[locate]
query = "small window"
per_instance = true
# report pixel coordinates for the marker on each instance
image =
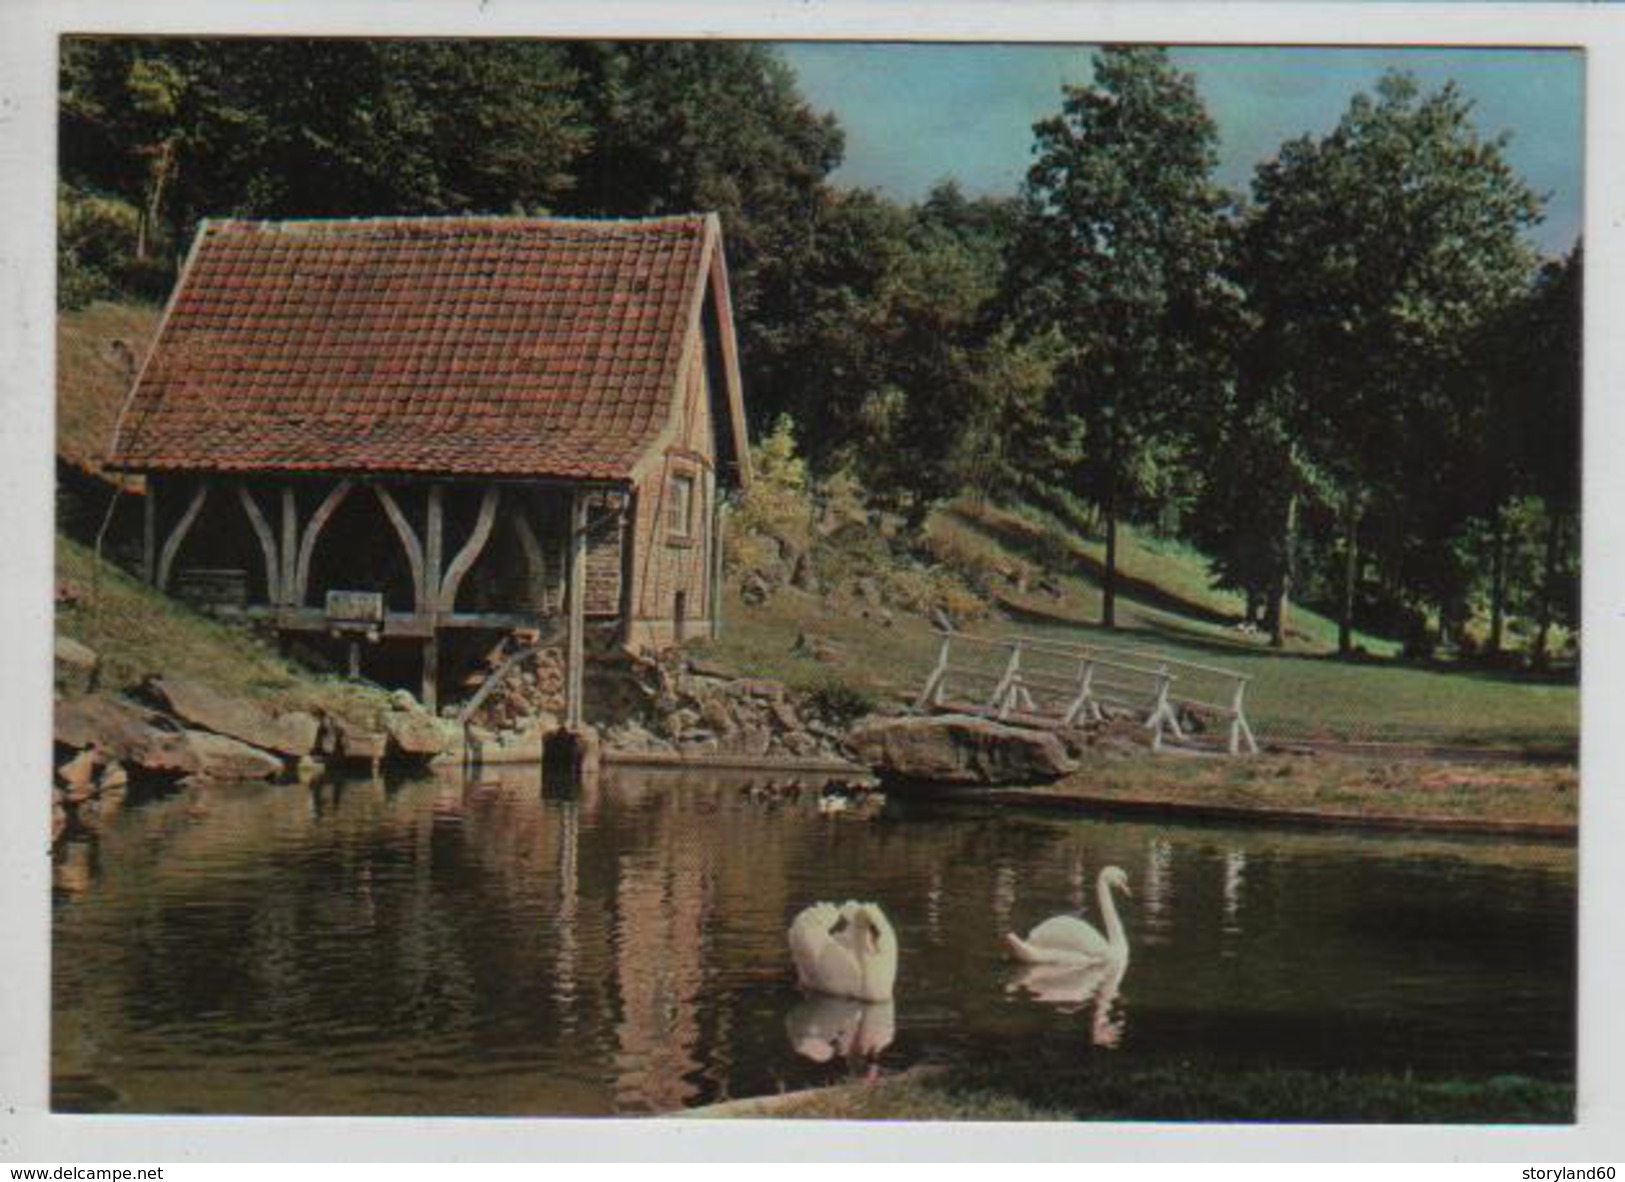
(680, 507)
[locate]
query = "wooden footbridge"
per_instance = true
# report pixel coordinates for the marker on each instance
(1055, 684)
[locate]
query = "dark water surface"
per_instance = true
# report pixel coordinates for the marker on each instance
(442, 947)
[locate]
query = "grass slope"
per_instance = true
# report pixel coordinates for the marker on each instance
(137, 631)
(1304, 692)
(93, 374)
(1165, 586)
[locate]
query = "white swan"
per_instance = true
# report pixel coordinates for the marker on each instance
(1066, 939)
(850, 951)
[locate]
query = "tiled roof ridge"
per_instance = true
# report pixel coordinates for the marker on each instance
(300, 226)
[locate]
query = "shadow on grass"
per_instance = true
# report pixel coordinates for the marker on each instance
(1152, 594)
(1189, 638)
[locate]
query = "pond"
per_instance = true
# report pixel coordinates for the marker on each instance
(450, 946)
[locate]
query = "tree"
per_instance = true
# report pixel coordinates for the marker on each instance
(1549, 424)
(1119, 259)
(720, 126)
(1374, 252)
(947, 373)
(183, 129)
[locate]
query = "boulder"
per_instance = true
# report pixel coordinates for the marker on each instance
(202, 707)
(785, 715)
(801, 744)
(139, 739)
(755, 590)
(958, 749)
(755, 742)
(631, 735)
(701, 667)
(352, 741)
(79, 775)
(759, 687)
(225, 758)
(679, 722)
(414, 735)
(714, 714)
(76, 666)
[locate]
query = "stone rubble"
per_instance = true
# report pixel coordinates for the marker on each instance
(687, 709)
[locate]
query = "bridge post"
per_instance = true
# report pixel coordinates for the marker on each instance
(1238, 722)
(1083, 702)
(932, 693)
(1004, 696)
(1163, 712)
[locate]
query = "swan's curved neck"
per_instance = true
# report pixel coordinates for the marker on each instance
(1115, 936)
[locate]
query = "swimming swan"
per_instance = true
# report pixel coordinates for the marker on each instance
(850, 951)
(1066, 939)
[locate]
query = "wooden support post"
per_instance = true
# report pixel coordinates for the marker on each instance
(409, 543)
(931, 695)
(1083, 703)
(290, 545)
(313, 535)
(1004, 693)
(434, 543)
(1239, 729)
(577, 596)
(431, 674)
(262, 531)
(470, 553)
(149, 532)
(172, 544)
(1162, 712)
(719, 540)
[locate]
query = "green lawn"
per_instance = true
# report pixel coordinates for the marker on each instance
(1105, 1088)
(1293, 695)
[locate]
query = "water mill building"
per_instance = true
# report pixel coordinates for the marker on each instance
(405, 438)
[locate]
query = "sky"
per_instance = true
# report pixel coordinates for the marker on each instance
(916, 114)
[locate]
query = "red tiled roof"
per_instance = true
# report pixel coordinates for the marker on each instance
(497, 346)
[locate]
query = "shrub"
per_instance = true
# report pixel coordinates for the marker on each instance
(95, 239)
(837, 700)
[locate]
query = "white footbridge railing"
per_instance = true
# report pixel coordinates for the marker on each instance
(1059, 684)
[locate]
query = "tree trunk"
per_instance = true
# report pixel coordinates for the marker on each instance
(1351, 566)
(1283, 586)
(1548, 595)
(1498, 581)
(150, 208)
(1108, 583)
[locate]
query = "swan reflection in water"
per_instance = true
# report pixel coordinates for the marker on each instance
(824, 1029)
(1071, 988)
